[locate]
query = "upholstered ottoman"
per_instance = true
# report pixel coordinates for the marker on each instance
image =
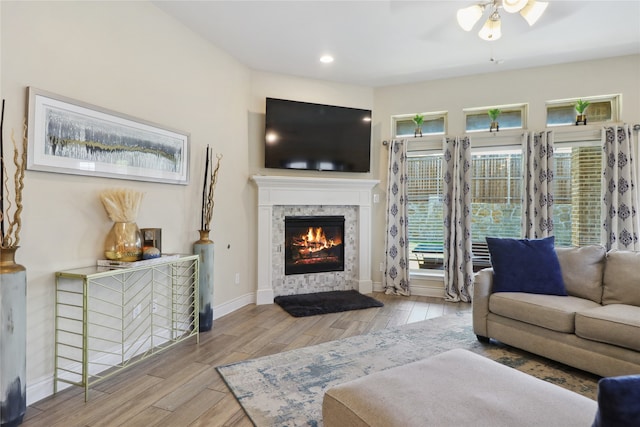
(455, 388)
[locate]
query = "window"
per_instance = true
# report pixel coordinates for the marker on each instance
(511, 117)
(577, 194)
(434, 124)
(496, 188)
(601, 109)
(496, 199)
(426, 211)
(496, 203)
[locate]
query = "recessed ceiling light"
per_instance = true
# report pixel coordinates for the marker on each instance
(326, 59)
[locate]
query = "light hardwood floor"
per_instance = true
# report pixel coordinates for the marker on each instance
(180, 387)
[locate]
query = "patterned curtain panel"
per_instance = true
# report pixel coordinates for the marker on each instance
(538, 167)
(396, 271)
(458, 267)
(620, 197)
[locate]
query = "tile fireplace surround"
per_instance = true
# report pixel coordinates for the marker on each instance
(304, 192)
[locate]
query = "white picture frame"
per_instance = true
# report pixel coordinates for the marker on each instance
(73, 137)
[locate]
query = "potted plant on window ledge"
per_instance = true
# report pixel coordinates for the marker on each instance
(418, 120)
(580, 107)
(494, 113)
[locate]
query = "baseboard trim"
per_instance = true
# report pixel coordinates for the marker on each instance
(420, 287)
(427, 291)
(41, 389)
(233, 305)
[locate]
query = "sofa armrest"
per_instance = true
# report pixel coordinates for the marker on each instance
(482, 288)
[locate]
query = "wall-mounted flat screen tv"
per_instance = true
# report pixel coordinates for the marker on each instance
(302, 135)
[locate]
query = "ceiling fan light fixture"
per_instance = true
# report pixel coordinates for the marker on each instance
(469, 16)
(491, 30)
(533, 11)
(513, 6)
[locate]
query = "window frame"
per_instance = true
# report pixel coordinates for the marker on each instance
(522, 108)
(614, 99)
(434, 115)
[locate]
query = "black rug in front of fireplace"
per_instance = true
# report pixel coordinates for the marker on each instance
(325, 302)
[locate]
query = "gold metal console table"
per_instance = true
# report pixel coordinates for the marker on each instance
(109, 319)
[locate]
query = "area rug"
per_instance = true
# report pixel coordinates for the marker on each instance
(286, 389)
(325, 302)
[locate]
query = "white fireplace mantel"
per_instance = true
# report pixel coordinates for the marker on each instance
(287, 191)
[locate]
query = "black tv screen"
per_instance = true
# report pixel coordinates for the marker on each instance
(302, 135)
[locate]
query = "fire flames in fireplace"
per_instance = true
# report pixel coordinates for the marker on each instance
(314, 244)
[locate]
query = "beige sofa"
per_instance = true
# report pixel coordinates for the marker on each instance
(595, 328)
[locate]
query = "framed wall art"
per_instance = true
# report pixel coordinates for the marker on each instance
(152, 237)
(69, 136)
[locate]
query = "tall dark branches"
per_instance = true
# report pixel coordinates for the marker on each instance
(210, 181)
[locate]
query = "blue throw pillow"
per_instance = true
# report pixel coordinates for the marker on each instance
(618, 402)
(526, 265)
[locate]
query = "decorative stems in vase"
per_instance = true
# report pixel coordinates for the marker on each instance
(204, 247)
(121, 204)
(210, 181)
(124, 240)
(10, 224)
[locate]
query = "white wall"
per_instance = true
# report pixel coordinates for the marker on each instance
(132, 58)
(620, 75)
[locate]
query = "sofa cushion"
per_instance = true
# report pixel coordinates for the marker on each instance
(582, 269)
(621, 279)
(618, 402)
(548, 311)
(525, 265)
(615, 324)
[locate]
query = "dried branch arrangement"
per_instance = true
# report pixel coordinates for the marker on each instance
(210, 181)
(10, 236)
(121, 204)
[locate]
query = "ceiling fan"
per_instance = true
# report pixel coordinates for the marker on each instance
(530, 10)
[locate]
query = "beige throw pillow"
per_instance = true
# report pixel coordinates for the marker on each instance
(622, 278)
(582, 269)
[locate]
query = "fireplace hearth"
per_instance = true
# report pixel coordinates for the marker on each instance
(314, 244)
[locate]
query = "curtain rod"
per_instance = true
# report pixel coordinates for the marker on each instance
(636, 127)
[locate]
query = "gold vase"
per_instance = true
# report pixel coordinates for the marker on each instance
(8, 260)
(123, 242)
(204, 237)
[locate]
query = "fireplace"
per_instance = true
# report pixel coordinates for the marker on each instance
(282, 196)
(313, 244)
